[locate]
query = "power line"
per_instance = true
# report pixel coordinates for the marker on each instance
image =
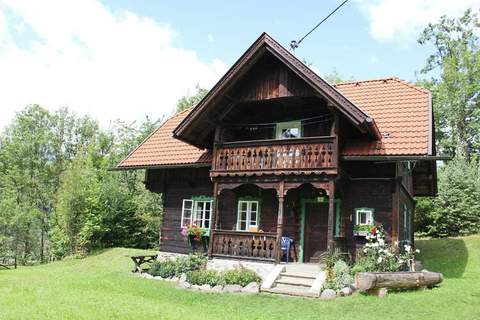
(294, 44)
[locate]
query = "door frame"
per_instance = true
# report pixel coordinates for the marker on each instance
(320, 199)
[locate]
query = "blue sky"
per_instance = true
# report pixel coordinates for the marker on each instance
(343, 43)
(127, 59)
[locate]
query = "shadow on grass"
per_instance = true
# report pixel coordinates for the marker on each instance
(447, 255)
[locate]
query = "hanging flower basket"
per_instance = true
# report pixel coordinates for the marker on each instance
(196, 237)
(364, 230)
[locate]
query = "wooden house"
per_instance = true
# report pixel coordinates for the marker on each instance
(274, 150)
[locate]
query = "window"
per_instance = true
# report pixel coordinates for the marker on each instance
(248, 214)
(289, 130)
(364, 216)
(197, 212)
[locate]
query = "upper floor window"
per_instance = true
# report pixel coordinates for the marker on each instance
(197, 212)
(289, 130)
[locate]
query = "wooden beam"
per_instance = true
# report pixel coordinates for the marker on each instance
(331, 216)
(280, 194)
(214, 218)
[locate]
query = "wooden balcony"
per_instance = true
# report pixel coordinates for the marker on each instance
(244, 245)
(275, 156)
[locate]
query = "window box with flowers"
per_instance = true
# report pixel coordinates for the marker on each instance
(364, 223)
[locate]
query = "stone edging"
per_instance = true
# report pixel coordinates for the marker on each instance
(182, 283)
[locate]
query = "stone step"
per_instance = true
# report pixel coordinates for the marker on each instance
(290, 290)
(295, 280)
(300, 276)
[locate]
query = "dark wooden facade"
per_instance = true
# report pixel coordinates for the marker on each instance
(304, 188)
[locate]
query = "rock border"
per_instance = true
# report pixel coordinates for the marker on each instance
(251, 288)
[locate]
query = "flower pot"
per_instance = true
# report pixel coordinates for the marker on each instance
(360, 233)
(192, 242)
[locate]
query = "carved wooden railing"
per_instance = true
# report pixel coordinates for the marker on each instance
(247, 245)
(275, 155)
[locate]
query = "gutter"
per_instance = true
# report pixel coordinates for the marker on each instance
(372, 128)
(167, 166)
(398, 158)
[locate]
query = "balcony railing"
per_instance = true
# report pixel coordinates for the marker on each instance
(275, 155)
(246, 245)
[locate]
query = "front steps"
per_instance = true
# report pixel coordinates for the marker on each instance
(297, 280)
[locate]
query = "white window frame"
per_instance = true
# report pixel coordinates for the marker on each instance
(369, 212)
(197, 213)
(287, 125)
(248, 221)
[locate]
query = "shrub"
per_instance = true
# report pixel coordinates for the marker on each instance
(329, 259)
(164, 269)
(177, 266)
(341, 276)
(201, 277)
(240, 276)
(188, 263)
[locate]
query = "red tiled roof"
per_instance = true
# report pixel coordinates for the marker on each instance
(400, 109)
(161, 149)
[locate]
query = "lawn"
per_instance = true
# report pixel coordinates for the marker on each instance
(102, 287)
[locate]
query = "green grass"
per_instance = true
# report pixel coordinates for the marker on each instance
(102, 287)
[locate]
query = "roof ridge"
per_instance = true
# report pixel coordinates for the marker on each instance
(404, 82)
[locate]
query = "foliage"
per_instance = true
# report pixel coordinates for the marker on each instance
(191, 262)
(341, 276)
(57, 196)
(378, 256)
(457, 208)
(188, 101)
(455, 92)
(176, 267)
(240, 276)
(329, 259)
(164, 269)
(363, 227)
(194, 230)
(201, 277)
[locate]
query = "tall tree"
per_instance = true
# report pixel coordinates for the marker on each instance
(456, 61)
(188, 101)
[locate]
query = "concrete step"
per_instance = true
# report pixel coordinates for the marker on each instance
(293, 275)
(303, 269)
(290, 290)
(295, 280)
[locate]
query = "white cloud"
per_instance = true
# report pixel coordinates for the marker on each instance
(98, 62)
(404, 20)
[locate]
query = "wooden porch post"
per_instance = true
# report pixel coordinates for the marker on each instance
(279, 221)
(331, 216)
(214, 219)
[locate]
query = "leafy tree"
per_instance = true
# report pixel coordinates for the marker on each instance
(188, 101)
(456, 91)
(457, 209)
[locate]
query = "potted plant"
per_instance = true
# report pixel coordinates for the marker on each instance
(196, 235)
(362, 230)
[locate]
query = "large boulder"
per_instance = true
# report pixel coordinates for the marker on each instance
(328, 294)
(252, 287)
(232, 288)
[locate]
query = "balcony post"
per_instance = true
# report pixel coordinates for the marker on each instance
(331, 216)
(213, 219)
(280, 194)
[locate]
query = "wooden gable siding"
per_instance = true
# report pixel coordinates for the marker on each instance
(272, 81)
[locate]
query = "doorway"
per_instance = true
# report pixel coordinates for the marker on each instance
(314, 229)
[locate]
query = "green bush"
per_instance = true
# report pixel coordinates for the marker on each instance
(177, 266)
(341, 276)
(189, 263)
(240, 276)
(164, 269)
(201, 277)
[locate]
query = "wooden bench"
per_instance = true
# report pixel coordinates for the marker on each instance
(140, 260)
(8, 262)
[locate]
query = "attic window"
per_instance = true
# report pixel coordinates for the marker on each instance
(289, 130)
